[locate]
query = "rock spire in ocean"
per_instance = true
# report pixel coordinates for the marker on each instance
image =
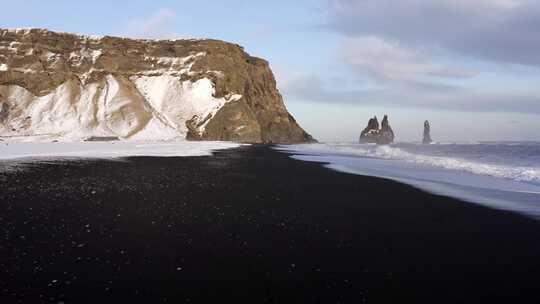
(373, 134)
(427, 133)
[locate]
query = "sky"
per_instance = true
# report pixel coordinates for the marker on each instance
(472, 68)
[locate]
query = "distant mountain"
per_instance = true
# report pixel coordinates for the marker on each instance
(67, 86)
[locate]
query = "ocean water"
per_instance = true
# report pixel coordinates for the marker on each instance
(501, 175)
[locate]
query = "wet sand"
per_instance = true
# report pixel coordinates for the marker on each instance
(251, 225)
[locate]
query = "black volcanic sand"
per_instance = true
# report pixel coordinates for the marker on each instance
(255, 226)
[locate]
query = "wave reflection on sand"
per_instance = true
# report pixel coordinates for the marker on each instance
(498, 175)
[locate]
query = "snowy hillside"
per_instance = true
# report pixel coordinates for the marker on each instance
(68, 87)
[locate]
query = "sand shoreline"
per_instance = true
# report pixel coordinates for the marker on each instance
(251, 224)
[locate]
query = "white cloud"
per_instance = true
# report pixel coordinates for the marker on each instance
(495, 30)
(388, 60)
(418, 52)
(312, 88)
(157, 26)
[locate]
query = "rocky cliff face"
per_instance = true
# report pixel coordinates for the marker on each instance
(372, 133)
(427, 133)
(74, 87)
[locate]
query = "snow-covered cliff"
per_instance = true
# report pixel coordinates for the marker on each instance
(73, 87)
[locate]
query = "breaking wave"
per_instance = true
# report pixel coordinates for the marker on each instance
(503, 176)
(529, 174)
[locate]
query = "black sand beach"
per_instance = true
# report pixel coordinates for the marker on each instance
(251, 225)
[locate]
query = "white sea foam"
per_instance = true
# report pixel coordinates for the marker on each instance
(523, 174)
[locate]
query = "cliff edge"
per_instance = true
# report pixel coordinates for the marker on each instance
(75, 87)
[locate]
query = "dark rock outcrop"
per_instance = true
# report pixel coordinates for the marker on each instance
(4, 108)
(373, 134)
(387, 134)
(66, 85)
(427, 133)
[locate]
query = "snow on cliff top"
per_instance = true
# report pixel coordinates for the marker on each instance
(99, 37)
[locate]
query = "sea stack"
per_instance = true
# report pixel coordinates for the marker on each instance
(427, 135)
(74, 87)
(372, 133)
